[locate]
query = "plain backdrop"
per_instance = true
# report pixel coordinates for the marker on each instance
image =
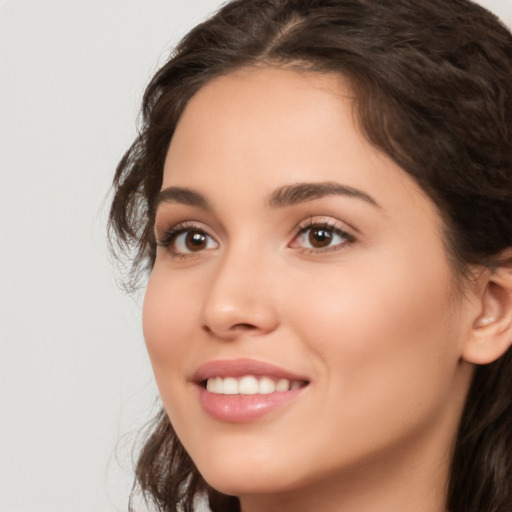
(76, 384)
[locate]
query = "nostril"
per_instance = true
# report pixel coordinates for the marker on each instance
(243, 327)
(240, 327)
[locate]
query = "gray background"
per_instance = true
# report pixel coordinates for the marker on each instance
(75, 380)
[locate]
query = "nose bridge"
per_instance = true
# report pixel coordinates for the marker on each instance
(239, 297)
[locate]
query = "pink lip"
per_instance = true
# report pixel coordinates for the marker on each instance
(243, 408)
(240, 367)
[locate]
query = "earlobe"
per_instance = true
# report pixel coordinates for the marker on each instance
(491, 332)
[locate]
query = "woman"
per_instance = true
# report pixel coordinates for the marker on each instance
(322, 190)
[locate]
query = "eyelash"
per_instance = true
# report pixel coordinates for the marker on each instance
(326, 225)
(170, 236)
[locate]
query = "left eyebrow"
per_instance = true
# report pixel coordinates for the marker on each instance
(182, 195)
(290, 195)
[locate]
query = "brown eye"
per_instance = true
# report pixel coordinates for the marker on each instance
(320, 237)
(191, 241)
(195, 241)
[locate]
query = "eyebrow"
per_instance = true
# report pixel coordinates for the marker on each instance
(287, 195)
(303, 192)
(182, 196)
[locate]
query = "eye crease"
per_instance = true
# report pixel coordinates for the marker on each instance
(321, 237)
(186, 239)
(315, 236)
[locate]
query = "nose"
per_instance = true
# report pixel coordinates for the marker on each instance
(240, 299)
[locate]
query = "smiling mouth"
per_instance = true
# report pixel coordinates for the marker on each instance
(250, 385)
(245, 390)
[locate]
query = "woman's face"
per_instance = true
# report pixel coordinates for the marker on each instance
(299, 265)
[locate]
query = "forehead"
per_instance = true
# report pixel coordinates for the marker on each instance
(245, 136)
(262, 128)
(243, 114)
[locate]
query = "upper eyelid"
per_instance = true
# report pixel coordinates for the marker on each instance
(178, 228)
(167, 218)
(307, 223)
(324, 220)
(166, 226)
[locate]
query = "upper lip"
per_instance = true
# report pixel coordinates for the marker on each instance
(240, 367)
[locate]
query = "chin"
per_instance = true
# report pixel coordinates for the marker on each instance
(243, 477)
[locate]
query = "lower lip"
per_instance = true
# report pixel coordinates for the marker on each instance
(243, 408)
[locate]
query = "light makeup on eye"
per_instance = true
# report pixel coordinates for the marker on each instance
(318, 235)
(314, 235)
(186, 239)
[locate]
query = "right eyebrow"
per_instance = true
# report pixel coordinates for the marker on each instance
(303, 192)
(182, 195)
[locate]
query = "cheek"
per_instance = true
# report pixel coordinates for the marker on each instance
(167, 317)
(385, 356)
(350, 304)
(384, 334)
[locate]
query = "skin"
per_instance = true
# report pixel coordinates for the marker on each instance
(373, 320)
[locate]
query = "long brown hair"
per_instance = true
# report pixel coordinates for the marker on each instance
(433, 86)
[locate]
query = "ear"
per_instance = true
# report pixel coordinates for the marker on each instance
(491, 332)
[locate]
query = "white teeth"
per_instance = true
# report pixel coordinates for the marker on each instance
(230, 386)
(249, 385)
(266, 386)
(210, 385)
(282, 385)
